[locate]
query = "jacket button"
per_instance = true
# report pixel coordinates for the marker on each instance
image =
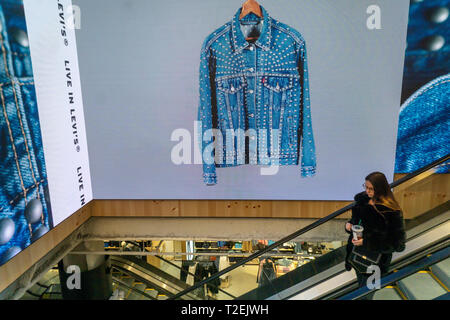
(434, 43)
(438, 15)
(20, 37)
(39, 232)
(33, 211)
(11, 252)
(7, 228)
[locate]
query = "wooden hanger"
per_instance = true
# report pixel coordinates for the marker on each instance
(251, 6)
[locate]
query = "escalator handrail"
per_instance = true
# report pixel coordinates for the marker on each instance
(306, 229)
(404, 272)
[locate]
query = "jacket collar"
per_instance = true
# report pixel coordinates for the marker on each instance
(264, 39)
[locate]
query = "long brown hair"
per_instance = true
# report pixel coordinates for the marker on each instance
(382, 192)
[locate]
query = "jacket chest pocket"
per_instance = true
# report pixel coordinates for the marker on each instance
(230, 100)
(276, 92)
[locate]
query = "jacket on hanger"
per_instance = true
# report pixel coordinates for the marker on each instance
(254, 97)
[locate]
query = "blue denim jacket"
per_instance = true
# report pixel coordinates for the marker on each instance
(254, 97)
(23, 177)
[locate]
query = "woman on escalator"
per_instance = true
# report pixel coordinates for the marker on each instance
(380, 215)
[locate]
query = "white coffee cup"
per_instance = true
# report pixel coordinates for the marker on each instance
(357, 232)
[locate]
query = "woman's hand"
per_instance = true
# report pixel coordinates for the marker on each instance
(348, 226)
(357, 242)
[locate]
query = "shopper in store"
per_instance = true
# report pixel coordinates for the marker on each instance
(381, 217)
(266, 271)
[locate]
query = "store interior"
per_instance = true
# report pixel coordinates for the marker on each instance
(193, 261)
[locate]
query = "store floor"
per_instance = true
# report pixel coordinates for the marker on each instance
(241, 280)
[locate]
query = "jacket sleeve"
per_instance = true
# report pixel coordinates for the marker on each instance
(390, 241)
(397, 232)
(307, 147)
(206, 136)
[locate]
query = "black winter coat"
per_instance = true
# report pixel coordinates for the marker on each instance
(384, 230)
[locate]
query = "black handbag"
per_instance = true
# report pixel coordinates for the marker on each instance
(361, 259)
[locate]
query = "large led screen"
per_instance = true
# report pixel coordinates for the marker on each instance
(44, 166)
(199, 100)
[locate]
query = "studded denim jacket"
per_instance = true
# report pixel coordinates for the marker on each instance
(254, 97)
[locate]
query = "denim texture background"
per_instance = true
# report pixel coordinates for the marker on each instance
(261, 86)
(424, 120)
(23, 175)
(424, 127)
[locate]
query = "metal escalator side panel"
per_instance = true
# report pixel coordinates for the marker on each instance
(387, 293)
(341, 280)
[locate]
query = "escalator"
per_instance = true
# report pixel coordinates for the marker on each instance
(424, 195)
(47, 288)
(426, 279)
(139, 280)
(142, 281)
(132, 279)
(422, 239)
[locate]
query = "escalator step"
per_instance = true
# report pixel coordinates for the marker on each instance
(141, 287)
(123, 289)
(152, 292)
(421, 286)
(28, 296)
(387, 294)
(128, 280)
(134, 295)
(442, 271)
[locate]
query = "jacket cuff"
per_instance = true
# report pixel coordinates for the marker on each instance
(210, 178)
(308, 171)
